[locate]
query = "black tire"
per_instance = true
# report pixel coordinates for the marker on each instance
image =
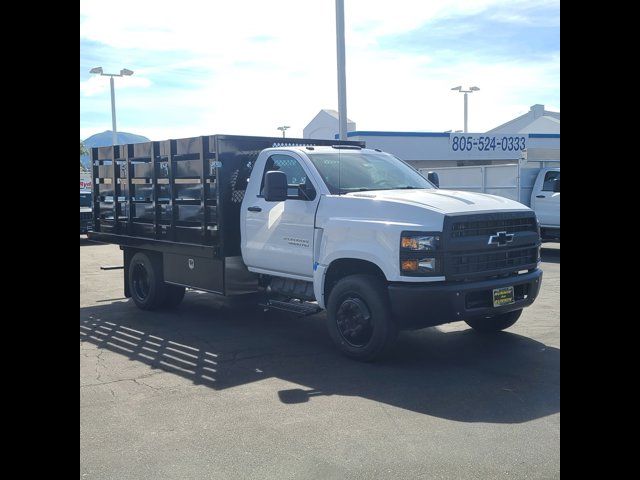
(173, 295)
(496, 323)
(359, 317)
(146, 284)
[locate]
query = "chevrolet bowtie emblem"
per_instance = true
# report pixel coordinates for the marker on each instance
(501, 238)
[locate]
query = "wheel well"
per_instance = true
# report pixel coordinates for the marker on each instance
(343, 267)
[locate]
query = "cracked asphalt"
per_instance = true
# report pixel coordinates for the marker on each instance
(210, 391)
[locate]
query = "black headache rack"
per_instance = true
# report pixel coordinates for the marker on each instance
(181, 197)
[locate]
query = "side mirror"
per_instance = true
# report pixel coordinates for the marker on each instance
(556, 186)
(275, 186)
(433, 178)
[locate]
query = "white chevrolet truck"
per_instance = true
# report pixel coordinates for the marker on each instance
(312, 225)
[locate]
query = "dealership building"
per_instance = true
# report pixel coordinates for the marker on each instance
(534, 136)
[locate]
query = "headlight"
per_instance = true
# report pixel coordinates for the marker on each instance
(418, 253)
(419, 242)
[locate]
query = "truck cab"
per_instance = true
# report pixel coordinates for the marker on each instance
(365, 235)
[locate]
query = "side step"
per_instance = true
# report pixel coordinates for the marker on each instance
(299, 308)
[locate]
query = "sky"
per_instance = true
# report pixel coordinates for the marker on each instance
(246, 67)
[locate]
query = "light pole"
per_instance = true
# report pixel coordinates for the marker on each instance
(459, 89)
(283, 129)
(342, 76)
(123, 72)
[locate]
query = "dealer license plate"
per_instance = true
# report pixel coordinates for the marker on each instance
(503, 296)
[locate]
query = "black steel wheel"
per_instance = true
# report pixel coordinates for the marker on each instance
(359, 317)
(140, 281)
(353, 319)
(147, 287)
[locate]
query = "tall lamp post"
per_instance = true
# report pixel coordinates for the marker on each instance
(459, 89)
(123, 72)
(283, 129)
(342, 75)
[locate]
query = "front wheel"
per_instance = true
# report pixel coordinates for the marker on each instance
(496, 323)
(359, 317)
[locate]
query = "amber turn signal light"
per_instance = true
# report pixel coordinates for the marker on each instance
(410, 265)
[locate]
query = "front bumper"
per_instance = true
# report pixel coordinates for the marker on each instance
(425, 305)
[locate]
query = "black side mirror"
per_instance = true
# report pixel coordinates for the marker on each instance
(556, 186)
(275, 186)
(433, 178)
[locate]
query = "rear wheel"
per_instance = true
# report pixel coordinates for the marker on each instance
(359, 317)
(496, 323)
(145, 281)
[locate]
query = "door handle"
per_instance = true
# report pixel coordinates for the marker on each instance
(541, 196)
(254, 209)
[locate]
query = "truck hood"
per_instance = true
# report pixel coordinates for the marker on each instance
(444, 201)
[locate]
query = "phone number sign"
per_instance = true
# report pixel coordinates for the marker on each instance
(487, 143)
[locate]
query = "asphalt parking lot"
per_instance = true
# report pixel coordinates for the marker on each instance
(206, 391)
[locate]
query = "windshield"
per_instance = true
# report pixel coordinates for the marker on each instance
(85, 199)
(346, 172)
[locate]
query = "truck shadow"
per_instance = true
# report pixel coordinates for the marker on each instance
(459, 375)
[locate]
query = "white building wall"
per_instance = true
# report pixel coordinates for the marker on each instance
(536, 120)
(537, 130)
(326, 125)
(419, 147)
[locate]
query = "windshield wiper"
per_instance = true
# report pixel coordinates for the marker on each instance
(351, 190)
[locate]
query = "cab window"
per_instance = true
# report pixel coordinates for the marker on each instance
(291, 167)
(550, 181)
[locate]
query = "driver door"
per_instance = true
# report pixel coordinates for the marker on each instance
(279, 235)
